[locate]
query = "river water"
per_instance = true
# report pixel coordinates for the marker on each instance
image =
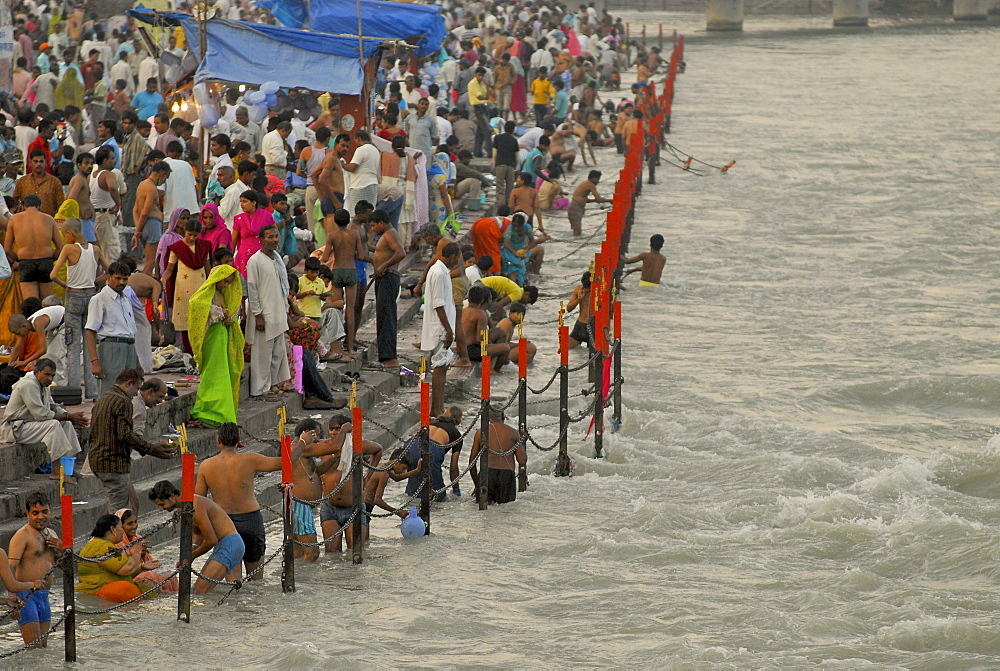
(806, 475)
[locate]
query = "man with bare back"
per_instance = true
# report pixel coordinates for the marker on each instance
(32, 554)
(345, 246)
(213, 530)
(585, 193)
(229, 476)
(476, 323)
(79, 190)
(148, 216)
(31, 235)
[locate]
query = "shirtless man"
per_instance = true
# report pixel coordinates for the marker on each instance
(212, 529)
(476, 323)
(79, 190)
(585, 192)
(148, 216)
(306, 483)
(329, 180)
(652, 263)
(515, 315)
(31, 234)
(524, 197)
(338, 508)
(345, 245)
(32, 554)
(502, 486)
(229, 476)
(581, 296)
(388, 253)
(403, 469)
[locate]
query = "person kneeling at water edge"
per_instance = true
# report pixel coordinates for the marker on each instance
(213, 526)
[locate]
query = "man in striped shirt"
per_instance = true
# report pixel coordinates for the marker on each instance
(112, 439)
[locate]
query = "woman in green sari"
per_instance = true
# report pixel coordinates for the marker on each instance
(217, 345)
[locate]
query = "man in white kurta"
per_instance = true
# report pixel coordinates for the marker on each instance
(438, 330)
(267, 289)
(32, 417)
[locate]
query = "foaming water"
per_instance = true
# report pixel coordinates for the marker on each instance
(807, 471)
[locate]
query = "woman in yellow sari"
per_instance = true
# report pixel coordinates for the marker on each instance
(69, 90)
(69, 209)
(217, 344)
(113, 578)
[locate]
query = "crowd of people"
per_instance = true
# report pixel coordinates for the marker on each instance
(125, 236)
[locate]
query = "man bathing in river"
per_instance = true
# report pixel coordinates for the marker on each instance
(652, 263)
(213, 530)
(338, 508)
(33, 551)
(229, 476)
(502, 483)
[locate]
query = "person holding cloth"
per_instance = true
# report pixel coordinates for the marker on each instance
(438, 330)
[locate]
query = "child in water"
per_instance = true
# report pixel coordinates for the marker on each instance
(652, 263)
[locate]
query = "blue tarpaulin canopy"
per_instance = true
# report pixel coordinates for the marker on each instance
(385, 20)
(255, 53)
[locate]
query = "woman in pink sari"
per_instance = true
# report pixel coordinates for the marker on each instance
(213, 228)
(130, 525)
(247, 227)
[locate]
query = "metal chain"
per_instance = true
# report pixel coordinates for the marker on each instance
(455, 481)
(325, 496)
(237, 584)
(32, 644)
(589, 361)
(386, 428)
(548, 384)
(585, 241)
(31, 591)
(276, 441)
(510, 401)
(128, 546)
(327, 539)
(142, 596)
(402, 505)
(520, 443)
(562, 434)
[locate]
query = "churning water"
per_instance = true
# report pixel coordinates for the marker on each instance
(805, 475)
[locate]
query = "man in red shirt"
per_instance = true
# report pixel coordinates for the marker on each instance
(46, 129)
(88, 70)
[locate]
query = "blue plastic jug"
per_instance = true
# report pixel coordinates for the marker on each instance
(412, 526)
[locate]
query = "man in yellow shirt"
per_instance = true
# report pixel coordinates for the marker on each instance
(543, 93)
(508, 291)
(479, 98)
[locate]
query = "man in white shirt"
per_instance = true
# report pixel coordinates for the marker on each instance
(438, 330)
(365, 168)
(49, 323)
(267, 318)
(181, 188)
(110, 329)
(275, 150)
(229, 206)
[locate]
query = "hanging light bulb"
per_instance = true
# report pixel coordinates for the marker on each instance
(176, 107)
(184, 105)
(243, 87)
